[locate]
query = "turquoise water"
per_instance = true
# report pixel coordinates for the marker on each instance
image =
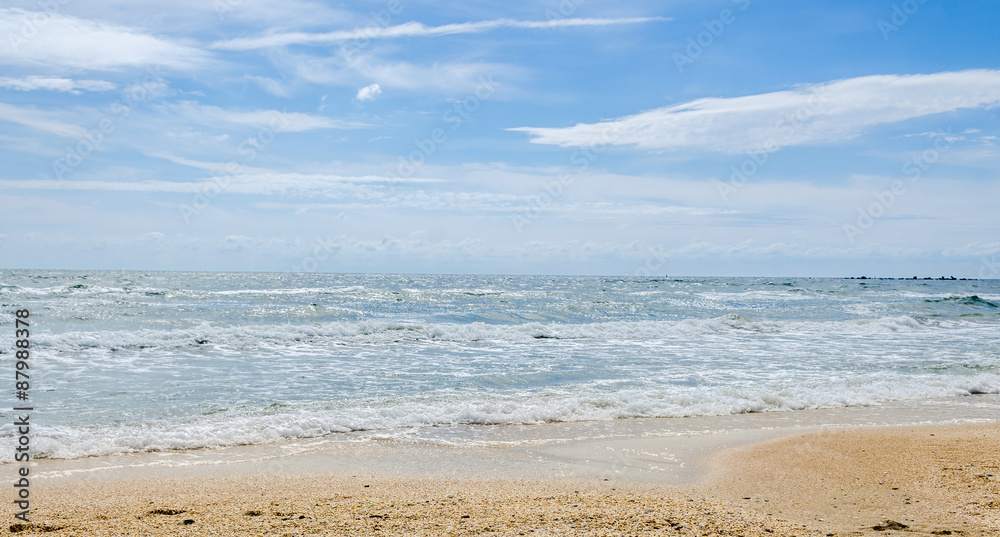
(134, 361)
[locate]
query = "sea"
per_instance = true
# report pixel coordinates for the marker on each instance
(134, 361)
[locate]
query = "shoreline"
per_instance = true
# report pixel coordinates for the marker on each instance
(654, 450)
(601, 482)
(788, 486)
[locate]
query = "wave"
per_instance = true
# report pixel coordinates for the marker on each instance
(972, 300)
(243, 426)
(374, 331)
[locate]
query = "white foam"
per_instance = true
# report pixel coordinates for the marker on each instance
(550, 349)
(248, 426)
(374, 331)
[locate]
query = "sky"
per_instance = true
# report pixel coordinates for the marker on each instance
(714, 138)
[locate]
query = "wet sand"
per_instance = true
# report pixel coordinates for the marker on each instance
(764, 480)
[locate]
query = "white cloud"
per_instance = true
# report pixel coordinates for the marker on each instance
(284, 14)
(147, 89)
(218, 167)
(151, 239)
(269, 85)
(110, 186)
(369, 93)
(52, 83)
(37, 119)
(196, 16)
(256, 183)
(812, 114)
(239, 242)
(414, 29)
(750, 249)
(445, 76)
(448, 77)
(279, 121)
(976, 249)
(59, 40)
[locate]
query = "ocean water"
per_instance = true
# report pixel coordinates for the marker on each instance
(144, 361)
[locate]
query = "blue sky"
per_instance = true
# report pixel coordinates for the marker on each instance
(732, 137)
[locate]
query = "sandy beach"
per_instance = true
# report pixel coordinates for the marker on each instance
(921, 480)
(934, 480)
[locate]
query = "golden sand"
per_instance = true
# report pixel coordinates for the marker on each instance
(933, 480)
(325, 505)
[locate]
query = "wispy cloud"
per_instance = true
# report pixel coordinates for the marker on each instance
(975, 249)
(414, 29)
(447, 77)
(441, 76)
(52, 83)
(269, 85)
(218, 167)
(811, 114)
(286, 121)
(66, 41)
(259, 183)
(41, 120)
